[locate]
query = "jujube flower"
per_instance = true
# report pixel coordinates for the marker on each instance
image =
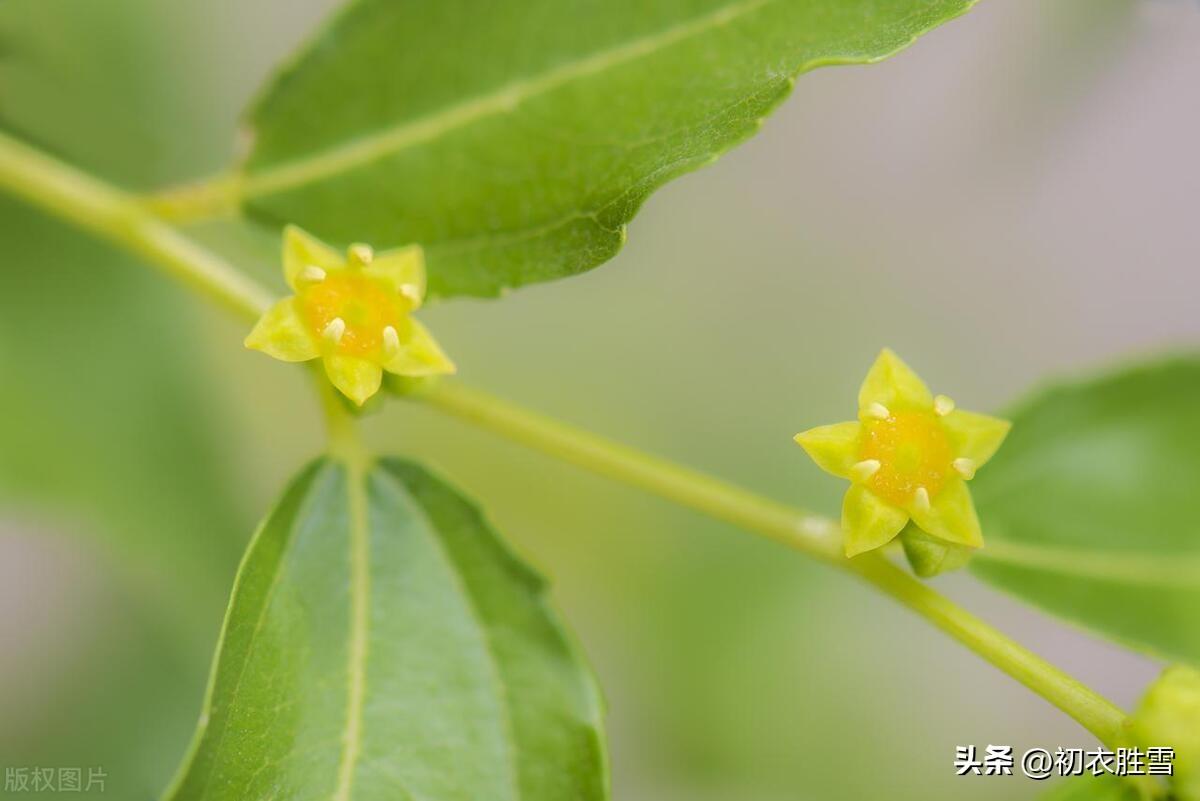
(908, 457)
(354, 312)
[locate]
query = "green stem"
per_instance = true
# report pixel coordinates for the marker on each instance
(118, 217)
(811, 534)
(213, 197)
(796, 528)
(1087, 707)
(345, 440)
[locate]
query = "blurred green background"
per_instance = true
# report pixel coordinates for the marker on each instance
(1012, 198)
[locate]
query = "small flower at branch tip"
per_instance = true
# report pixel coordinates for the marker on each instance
(352, 311)
(1168, 717)
(908, 458)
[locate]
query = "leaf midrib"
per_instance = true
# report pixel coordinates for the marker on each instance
(431, 532)
(1182, 570)
(360, 602)
(389, 141)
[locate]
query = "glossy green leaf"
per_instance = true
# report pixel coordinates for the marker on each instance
(1090, 507)
(516, 140)
(1105, 787)
(383, 644)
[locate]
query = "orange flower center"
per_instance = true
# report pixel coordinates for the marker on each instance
(364, 305)
(913, 451)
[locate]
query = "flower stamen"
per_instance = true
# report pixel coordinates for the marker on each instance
(943, 405)
(391, 341)
(921, 499)
(335, 330)
(312, 274)
(411, 292)
(878, 411)
(964, 467)
(866, 468)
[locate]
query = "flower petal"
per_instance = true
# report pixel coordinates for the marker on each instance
(834, 448)
(950, 515)
(975, 436)
(868, 521)
(419, 354)
(400, 268)
(301, 249)
(281, 333)
(893, 384)
(358, 379)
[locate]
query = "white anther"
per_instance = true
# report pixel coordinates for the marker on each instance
(964, 467)
(943, 405)
(312, 274)
(363, 254)
(921, 499)
(335, 330)
(878, 411)
(865, 469)
(391, 341)
(410, 291)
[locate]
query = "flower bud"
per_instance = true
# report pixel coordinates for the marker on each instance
(928, 556)
(1169, 716)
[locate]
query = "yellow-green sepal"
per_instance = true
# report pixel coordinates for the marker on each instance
(834, 447)
(894, 385)
(281, 333)
(869, 522)
(356, 378)
(950, 515)
(419, 354)
(403, 270)
(302, 250)
(975, 436)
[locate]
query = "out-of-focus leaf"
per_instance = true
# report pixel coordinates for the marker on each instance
(109, 443)
(382, 643)
(106, 439)
(92, 81)
(516, 140)
(1090, 507)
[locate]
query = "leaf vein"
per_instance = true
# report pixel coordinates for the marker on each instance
(1181, 570)
(484, 632)
(360, 590)
(382, 144)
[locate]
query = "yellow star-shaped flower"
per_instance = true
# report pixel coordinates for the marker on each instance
(908, 457)
(354, 312)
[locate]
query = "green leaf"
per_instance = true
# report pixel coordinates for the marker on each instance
(1090, 507)
(382, 643)
(515, 141)
(1105, 787)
